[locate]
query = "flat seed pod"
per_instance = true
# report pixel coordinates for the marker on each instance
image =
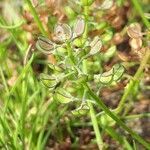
(63, 96)
(95, 45)
(55, 68)
(134, 30)
(104, 78)
(79, 27)
(48, 81)
(82, 110)
(106, 4)
(45, 45)
(136, 44)
(63, 32)
(118, 71)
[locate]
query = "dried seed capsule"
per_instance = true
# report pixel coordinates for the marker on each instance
(63, 32)
(45, 45)
(106, 4)
(135, 44)
(134, 30)
(95, 45)
(79, 27)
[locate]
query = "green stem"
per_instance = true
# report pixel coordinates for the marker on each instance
(95, 126)
(141, 13)
(93, 115)
(133, 81)
(36, 18)
(70, 53)
(114, 117)
(137, 116)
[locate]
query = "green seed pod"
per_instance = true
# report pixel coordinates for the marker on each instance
(104, 78)
(77, 42)
(62, 96)
(118, 71)
(82, 110)
(49, 81)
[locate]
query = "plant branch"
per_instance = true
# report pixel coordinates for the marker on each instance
(130, 85)
(114, 117)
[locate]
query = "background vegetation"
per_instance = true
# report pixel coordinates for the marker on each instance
(103, 114)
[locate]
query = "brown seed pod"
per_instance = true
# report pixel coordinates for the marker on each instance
(79, 27)
(136, 43)
(134, 30)
(118, 38)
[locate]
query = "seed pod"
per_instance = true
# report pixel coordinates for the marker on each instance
(49, 81)
(135, 44)
(63, 32)
(118, 71)
(79, 27)
(82, 110)
(104, 78)
(45, 45)
(106, 4)
(112, 75)
(95, 45)
(134, 30)
(62, 96)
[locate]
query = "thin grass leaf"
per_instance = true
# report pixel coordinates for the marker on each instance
(11, 26)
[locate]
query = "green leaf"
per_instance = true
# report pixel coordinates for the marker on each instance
(62, 96)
